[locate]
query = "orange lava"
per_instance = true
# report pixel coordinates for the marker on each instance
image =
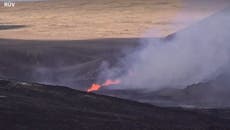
(96, 87)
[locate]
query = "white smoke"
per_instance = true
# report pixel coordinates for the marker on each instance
(197, 54)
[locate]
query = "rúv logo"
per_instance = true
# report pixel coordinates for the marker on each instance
(9, 4)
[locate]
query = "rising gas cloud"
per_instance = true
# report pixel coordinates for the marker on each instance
(196, 54)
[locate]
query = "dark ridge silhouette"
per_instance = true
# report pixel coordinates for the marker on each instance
(9, 27)
(35, 106)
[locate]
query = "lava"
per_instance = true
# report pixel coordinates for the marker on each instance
(109, 82)
(94, 87)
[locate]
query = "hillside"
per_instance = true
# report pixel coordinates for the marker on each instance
(35, 106)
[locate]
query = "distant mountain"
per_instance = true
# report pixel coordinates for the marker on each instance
(30, 106)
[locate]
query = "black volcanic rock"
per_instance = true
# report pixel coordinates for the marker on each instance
(60, 62)
(29, 106)
(8, 27)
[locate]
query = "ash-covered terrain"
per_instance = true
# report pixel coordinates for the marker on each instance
(35, 106)
(176, 82)
(76, 64)
(194, 72)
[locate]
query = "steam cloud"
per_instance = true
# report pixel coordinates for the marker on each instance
(197, 54)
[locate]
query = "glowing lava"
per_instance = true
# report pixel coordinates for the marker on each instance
(96, 87)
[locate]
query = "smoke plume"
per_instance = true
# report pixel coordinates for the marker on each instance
(196, 54)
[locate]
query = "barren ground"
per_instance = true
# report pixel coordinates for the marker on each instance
(92, 19)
